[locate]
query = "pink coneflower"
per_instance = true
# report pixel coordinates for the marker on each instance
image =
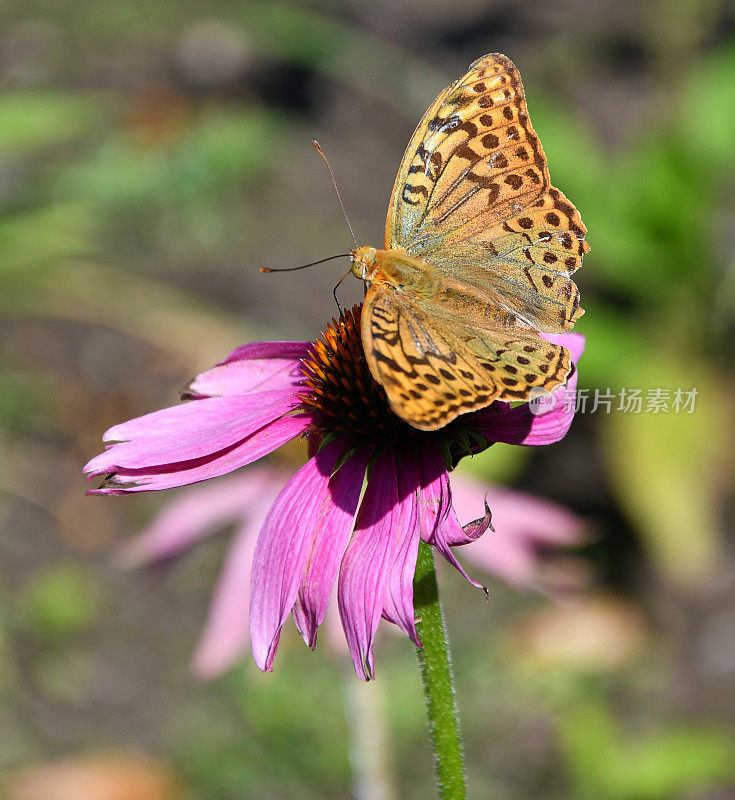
(322, 528)
(526, 529)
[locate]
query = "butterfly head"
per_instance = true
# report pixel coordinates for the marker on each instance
(363, 262)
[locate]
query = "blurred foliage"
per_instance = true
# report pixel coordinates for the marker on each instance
(32, 120)
(663, 308)
(279, 721)
(124, 208)
(605, 764)
(176, 178)
(667, 468)
(59, 601)
(27, 402)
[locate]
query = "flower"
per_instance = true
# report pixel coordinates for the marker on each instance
(321, 528)
(525, 525)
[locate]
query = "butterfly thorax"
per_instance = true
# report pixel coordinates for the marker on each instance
(396, 268)
(419, 281)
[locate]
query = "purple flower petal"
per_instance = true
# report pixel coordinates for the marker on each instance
(252, 368)
(268, 351)
(196, 514)
(438, 522)
(381, 542)
(167, 476)
(457, 535)
(331, 533)
(398, 603)
(284, 547)
(189, 431)
(473, 530)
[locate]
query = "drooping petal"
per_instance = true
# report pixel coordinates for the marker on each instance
(189, 431)
(227, 632)
(438, 522)
(381, 542)
(331, 533)
(284, 547)
(252, 368)
(523, 524)
(167, 476)
(398, 603)
(543, 421)
(196, 514)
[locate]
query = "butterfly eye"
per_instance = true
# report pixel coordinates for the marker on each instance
(359, 268)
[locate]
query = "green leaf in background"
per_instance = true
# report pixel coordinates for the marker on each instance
(500, 463)
(43, 236)
(577, 162)
(649, 207)
(27, 401)
(707, 137)
(274, 741)
(666, 468)
(613, 341)
(648, 223)
(210, 158)
(60, 601)
(30, 120)
(604, 764)
(588, 738)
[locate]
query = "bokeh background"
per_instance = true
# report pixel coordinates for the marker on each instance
(152, 157)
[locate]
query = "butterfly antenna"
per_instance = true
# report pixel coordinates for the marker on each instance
(304, 266)
(319, 150)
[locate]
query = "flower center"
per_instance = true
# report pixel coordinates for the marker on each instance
(346, 399)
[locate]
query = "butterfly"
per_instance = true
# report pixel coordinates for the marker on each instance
(479, 250)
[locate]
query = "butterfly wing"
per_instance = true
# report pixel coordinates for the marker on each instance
(433, 372)
(473, 197)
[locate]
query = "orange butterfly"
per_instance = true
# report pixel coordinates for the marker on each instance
(479, 250)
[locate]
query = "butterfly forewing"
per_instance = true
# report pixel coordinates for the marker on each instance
(474, 154)
(473, 198)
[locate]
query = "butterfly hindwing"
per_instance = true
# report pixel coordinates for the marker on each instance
(432, 372)
(523, 265)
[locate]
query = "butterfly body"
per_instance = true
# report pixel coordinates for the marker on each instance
(479, 253)
(395, 268)
(420, 280)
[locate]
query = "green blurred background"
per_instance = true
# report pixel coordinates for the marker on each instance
(152, 157)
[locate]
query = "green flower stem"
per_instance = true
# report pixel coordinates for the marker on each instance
(436, 674)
